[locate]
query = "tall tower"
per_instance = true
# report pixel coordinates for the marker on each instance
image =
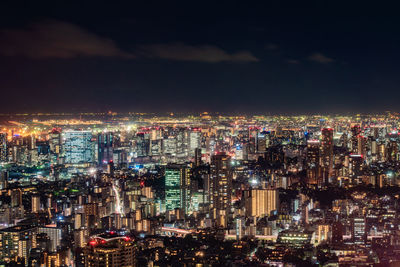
(220, 187)
(177, 187)
(105, 147)
(3, 147)
(326, 154)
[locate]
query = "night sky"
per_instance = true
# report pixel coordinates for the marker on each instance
(193, 56)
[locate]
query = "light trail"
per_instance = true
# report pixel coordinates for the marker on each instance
(118, 204)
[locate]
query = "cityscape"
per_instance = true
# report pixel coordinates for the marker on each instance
(199, 133)
(112, 189)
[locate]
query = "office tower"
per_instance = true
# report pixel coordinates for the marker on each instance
(55, 143)
(3, 147)
(358, 230)
(220, 187)
(312, 161)
(261, 202)
(78, 147)
(355, 131)
(35, 202)
(194, 141)
(110, 252)
(361, 145)
(155, 147)
(326, 156)
(142, 144)
(327, 147)
(16, 242)
(177, 187)
(105, 147)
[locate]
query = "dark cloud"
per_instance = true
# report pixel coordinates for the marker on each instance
(271, 46)
(55, 39)
(320, 58)
(293, 61)
(200, 53)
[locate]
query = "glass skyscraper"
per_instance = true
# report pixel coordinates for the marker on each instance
(78, 147)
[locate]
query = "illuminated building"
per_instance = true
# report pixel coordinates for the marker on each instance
(35, 203)
(262, 141)
(16, 242)
(177, 187)
(358, 230)
(220, 186)
(194, 141)
(355, 132)
(261, 202)
(54, 234)
(142, 144)
(326, 156)
(105, 147)
(3, 147)
(324, 233)
(356, 167)
(78, 147)
(55, 143)
(312, 161)
(117, 251)
(294, 239)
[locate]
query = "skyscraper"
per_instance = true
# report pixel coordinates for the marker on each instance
(78, 147)
(220, 187)
(55, 145)
(177, 187)
(3, 147)
(105, 147)
(326, 155)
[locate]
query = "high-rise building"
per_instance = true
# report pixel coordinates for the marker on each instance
(326, 155)
(16, 242)
(312, 161)
(54, 234)
(110, 252)
(358, 230)
(327, 147)
(55, 143)
(142, 144)
(220, 187)
(3, 147)
(105, 147)
(35, 202)
(78, 147)
(177, 187)
(261, 202)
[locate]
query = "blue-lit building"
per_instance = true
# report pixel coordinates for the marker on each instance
(78, 147)
(105, 147)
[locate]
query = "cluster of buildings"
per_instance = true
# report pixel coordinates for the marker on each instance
(313, 190)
